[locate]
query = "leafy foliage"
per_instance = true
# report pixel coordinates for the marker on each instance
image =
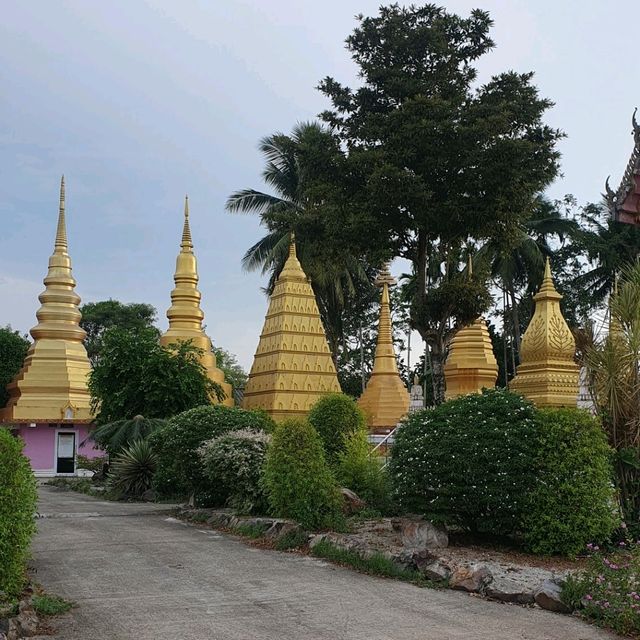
(300, 484)
(13, 350)
(607, 590)
(179, 470)
(469, 462)
(18, 501)
(360, 469)
(233, 464)
(573, 500)
(234, 374)
(335, 416)
(98, 317)
(135, 375)
(132, 470)
(47, 605)
(115, 436)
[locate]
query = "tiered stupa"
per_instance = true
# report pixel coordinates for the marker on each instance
(548, 374)
(52, 384)
(624, 204)
(385, 400)
(186, 316)
(292, 366)
(471, 364)
(49, 405)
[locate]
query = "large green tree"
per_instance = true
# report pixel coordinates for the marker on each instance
(135, 375)
(13, 349)
(439, 159)
(97, 317)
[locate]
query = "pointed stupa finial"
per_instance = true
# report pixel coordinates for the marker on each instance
(186, 243)
(61, 245)
(292, 245)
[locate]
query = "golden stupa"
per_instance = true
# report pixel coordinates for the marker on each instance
(385, 399)
(471, 364)
(547, 373)
(186, 316)
(52, 384)
(292, 366)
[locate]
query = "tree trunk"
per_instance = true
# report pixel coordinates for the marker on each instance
(515, 319)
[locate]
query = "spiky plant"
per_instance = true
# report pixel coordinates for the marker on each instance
(115, 436)
(132, 470)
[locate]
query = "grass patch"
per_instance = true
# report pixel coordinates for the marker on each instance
(253, 531)
(198, 517)
(377, 564)
(50, 605)
(291, 540)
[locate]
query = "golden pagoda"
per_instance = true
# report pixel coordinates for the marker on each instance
(547, 373)
(186, 316)
(471, 364)
(51, 387)
(385, 399)
(292, 366)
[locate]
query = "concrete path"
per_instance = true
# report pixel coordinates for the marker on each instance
(137, 574)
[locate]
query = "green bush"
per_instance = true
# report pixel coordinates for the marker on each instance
(131, 471)
(300, 484)
(18, 500)
(606, 591)
(335, 417)
(360, 469)
(573, 500)
(115, 436)
(233, 464)
(468, 462)
(179, 470)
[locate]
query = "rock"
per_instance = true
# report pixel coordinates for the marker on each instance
(473, 578)
(281, 528)
(509, 589)
(436, 570)
(317, 539)
(547, 596)
(149, 495)
(420, 534)
(351, 501)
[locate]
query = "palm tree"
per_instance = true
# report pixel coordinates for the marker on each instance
(303, 170)
(519, 263)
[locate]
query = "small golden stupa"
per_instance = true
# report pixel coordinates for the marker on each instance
(186, 316)
(547, 373)
(292, 366)
(385, 400)
(52, 384)
(471, 364)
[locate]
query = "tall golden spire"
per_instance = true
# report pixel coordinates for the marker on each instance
(471, 364)
(52, 384)
(386, 399)
(292, 366)
(547, 373)
(185, 315)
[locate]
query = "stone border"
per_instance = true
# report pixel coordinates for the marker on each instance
(422, 546)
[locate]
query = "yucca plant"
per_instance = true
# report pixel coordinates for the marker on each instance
(613, 367)
(115, 436)
(132, 470)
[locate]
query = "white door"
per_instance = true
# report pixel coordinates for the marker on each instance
(66, 461)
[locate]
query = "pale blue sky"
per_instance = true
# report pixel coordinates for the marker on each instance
(138, 103)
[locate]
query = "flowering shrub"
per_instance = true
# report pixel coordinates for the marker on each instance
(233, 463)
(300, 484)
(335, 417)
(179, 470)
(608, 590)
(573, 500)
(468, 462)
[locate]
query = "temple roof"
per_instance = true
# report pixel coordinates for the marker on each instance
(292, 366)
(624, 203)
(185, 314)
